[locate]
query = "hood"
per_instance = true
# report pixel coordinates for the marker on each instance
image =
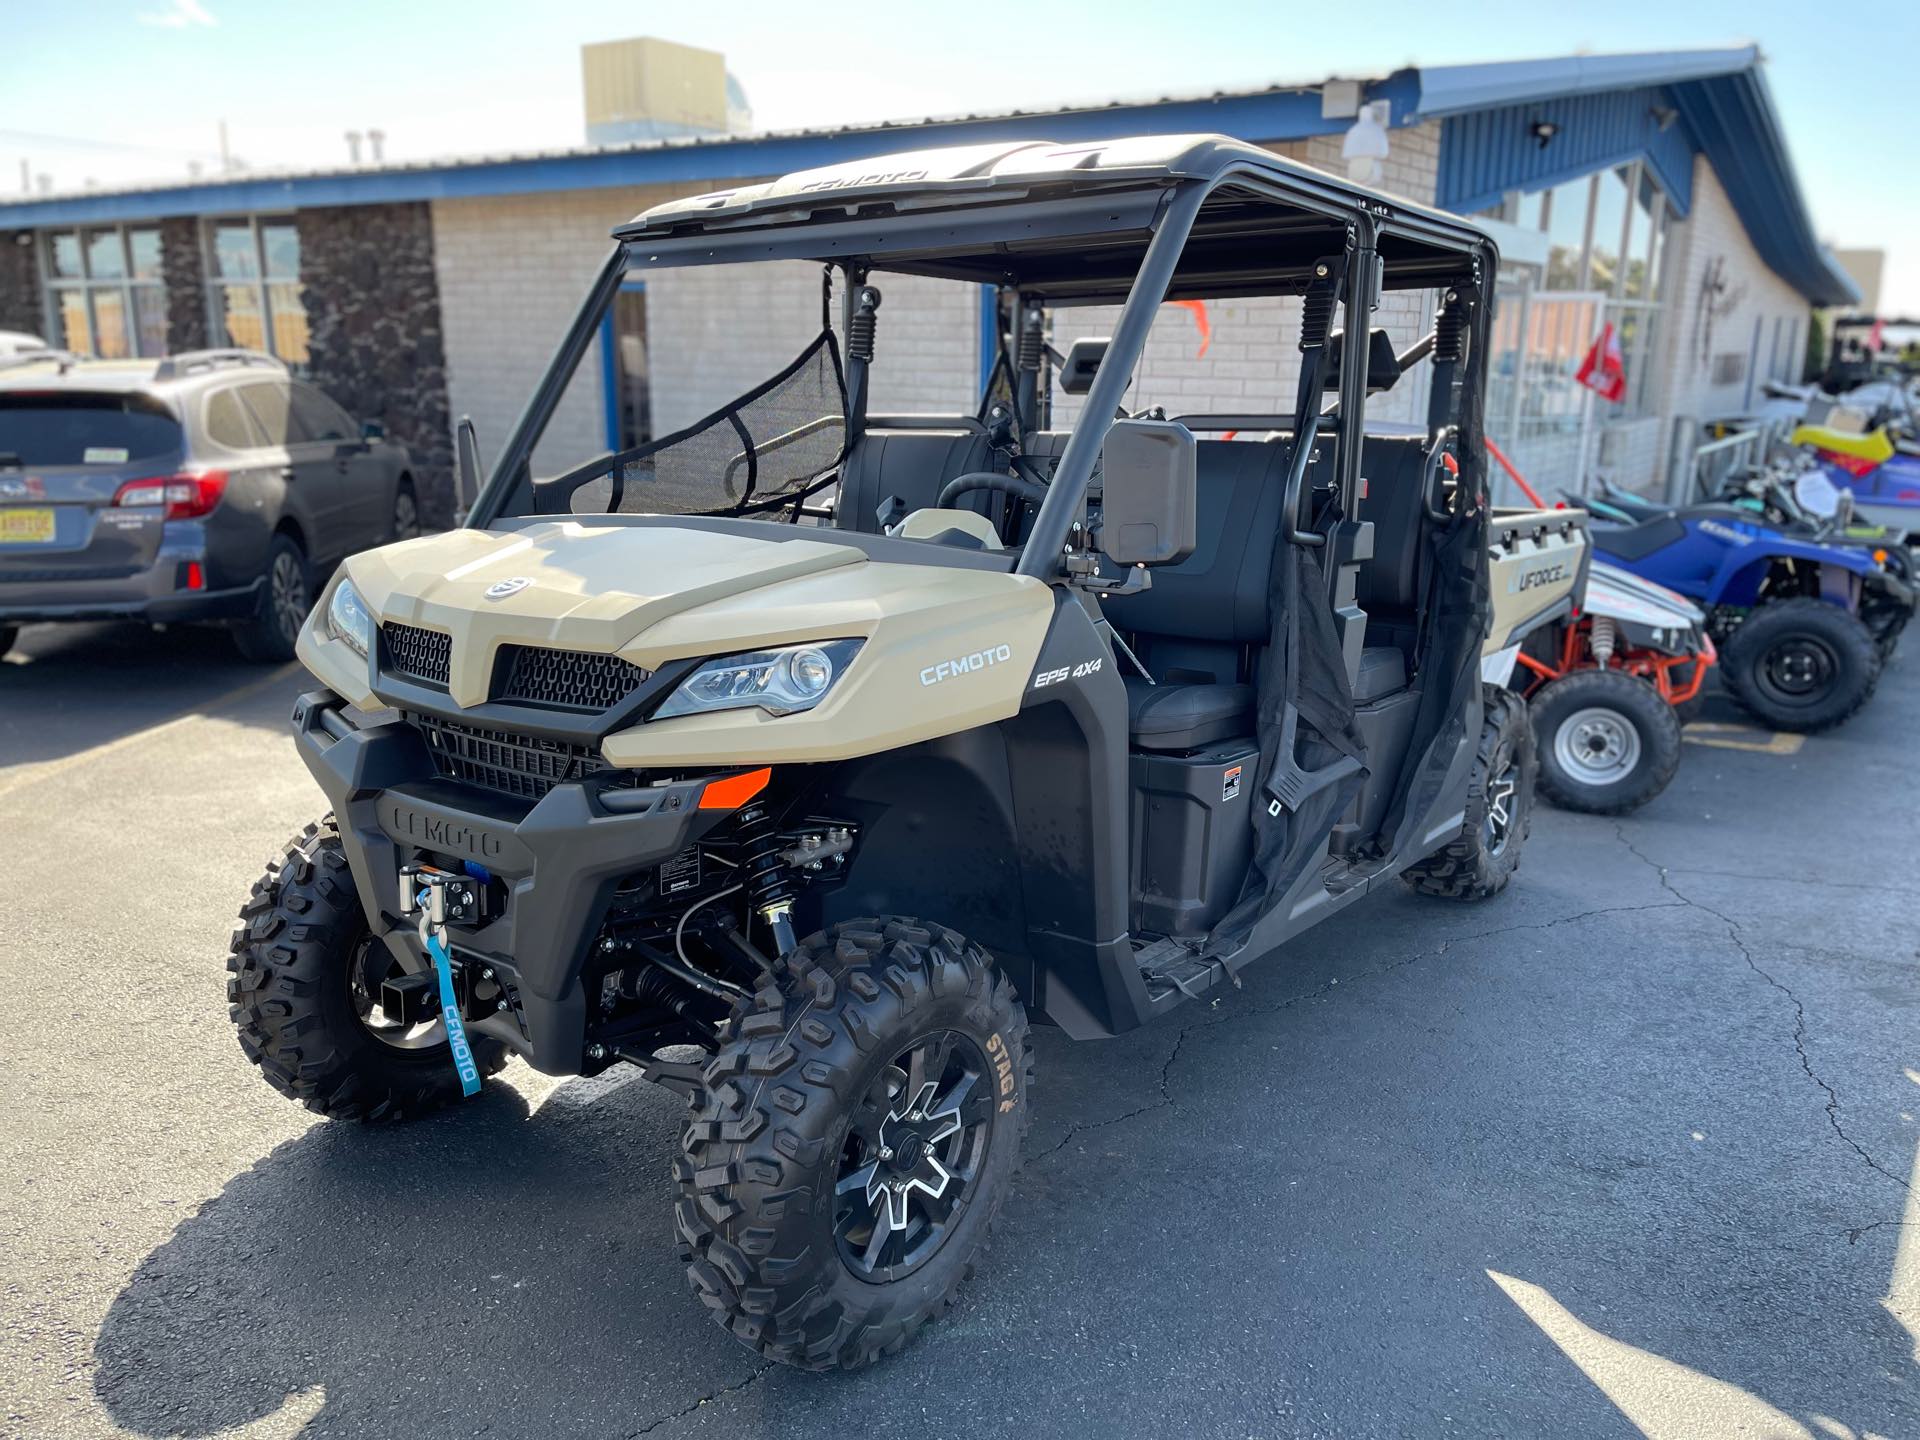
(568, 584)
(653, 591)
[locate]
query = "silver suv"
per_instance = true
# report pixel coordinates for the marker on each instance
(208, 486)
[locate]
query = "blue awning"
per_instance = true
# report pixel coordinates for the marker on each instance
(1609, 109)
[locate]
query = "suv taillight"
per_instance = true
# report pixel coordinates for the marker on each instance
(187, 497)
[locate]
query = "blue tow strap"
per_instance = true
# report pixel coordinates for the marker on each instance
(450, 1012)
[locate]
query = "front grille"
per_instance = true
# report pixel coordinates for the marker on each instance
(567, 679)
(417, 654)
(526, 766)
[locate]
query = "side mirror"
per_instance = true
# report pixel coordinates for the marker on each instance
(371, 430)
(1149, 483)
(1083, 359)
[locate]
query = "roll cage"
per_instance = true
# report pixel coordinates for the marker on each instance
(1221, 220)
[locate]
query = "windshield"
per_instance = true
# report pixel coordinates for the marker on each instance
(48, 429)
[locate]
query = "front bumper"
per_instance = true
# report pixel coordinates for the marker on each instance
(559, 860)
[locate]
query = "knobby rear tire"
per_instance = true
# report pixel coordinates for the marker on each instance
(1469, 868)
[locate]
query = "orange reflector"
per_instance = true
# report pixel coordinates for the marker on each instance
(734, 791)
(1879, 557)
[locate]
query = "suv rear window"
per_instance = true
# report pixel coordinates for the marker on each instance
(84, 428)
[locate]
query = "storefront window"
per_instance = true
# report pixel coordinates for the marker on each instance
(1605, 232)
(257, 304)
(1636, 274)
(1567, 208)
(106, 296)
(1609, 226)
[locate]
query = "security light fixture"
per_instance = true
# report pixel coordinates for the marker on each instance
(1365, 145)
(1543, 132)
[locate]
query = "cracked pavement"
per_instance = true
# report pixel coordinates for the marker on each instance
(1669, 1081)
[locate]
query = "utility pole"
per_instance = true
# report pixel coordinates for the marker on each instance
(377, 140)
(226, 156)
(26, 178)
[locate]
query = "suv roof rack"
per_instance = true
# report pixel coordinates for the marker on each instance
(62, 358)
(188, 362)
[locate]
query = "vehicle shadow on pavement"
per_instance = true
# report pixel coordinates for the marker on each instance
(1281, 1214)
(69, 688)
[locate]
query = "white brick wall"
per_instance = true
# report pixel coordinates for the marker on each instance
(1252, 362)
(1752, 300)
(512, 271)
(717, 331)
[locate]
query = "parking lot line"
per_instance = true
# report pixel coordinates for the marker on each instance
(1742, 737)
(27, 774)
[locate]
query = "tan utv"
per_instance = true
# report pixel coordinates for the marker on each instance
(802, 757)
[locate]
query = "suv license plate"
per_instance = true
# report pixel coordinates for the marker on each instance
(26, 527)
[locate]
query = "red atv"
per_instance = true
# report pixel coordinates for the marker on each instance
(1607, 689)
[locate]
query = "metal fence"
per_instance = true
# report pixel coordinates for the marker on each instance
(1704, 456)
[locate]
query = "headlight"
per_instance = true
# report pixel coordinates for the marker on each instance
(780, 682)
(347, 617)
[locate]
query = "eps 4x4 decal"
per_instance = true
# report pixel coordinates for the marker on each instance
(1068, 672)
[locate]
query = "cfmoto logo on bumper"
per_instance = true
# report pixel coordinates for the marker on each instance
(450, 837)
(966, 664)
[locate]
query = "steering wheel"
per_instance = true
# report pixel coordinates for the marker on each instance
(1018, 486)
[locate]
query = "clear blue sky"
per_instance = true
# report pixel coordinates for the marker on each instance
(150, 79)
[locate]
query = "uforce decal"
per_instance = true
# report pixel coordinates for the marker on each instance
(1534, 579)
(1068, 672)
(966, 664)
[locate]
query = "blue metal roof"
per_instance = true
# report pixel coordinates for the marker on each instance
(1454, 89)
(1289, 113)
(1605, 106)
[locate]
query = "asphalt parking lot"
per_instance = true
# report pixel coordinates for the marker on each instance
(1628, 1150)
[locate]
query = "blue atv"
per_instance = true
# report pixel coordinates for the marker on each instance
(1803, 626)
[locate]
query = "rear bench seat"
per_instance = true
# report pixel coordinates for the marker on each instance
(1198, 628)
(910, 464)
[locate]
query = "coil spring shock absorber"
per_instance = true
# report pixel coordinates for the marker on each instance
(770, 888)
(1603, 639)
(865, 323)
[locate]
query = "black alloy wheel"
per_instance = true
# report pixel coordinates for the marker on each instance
(912, 1154)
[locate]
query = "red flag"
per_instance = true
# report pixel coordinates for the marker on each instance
(1604, 371)
(1876, 337)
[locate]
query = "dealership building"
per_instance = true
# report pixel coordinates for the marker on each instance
(1651, 193)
